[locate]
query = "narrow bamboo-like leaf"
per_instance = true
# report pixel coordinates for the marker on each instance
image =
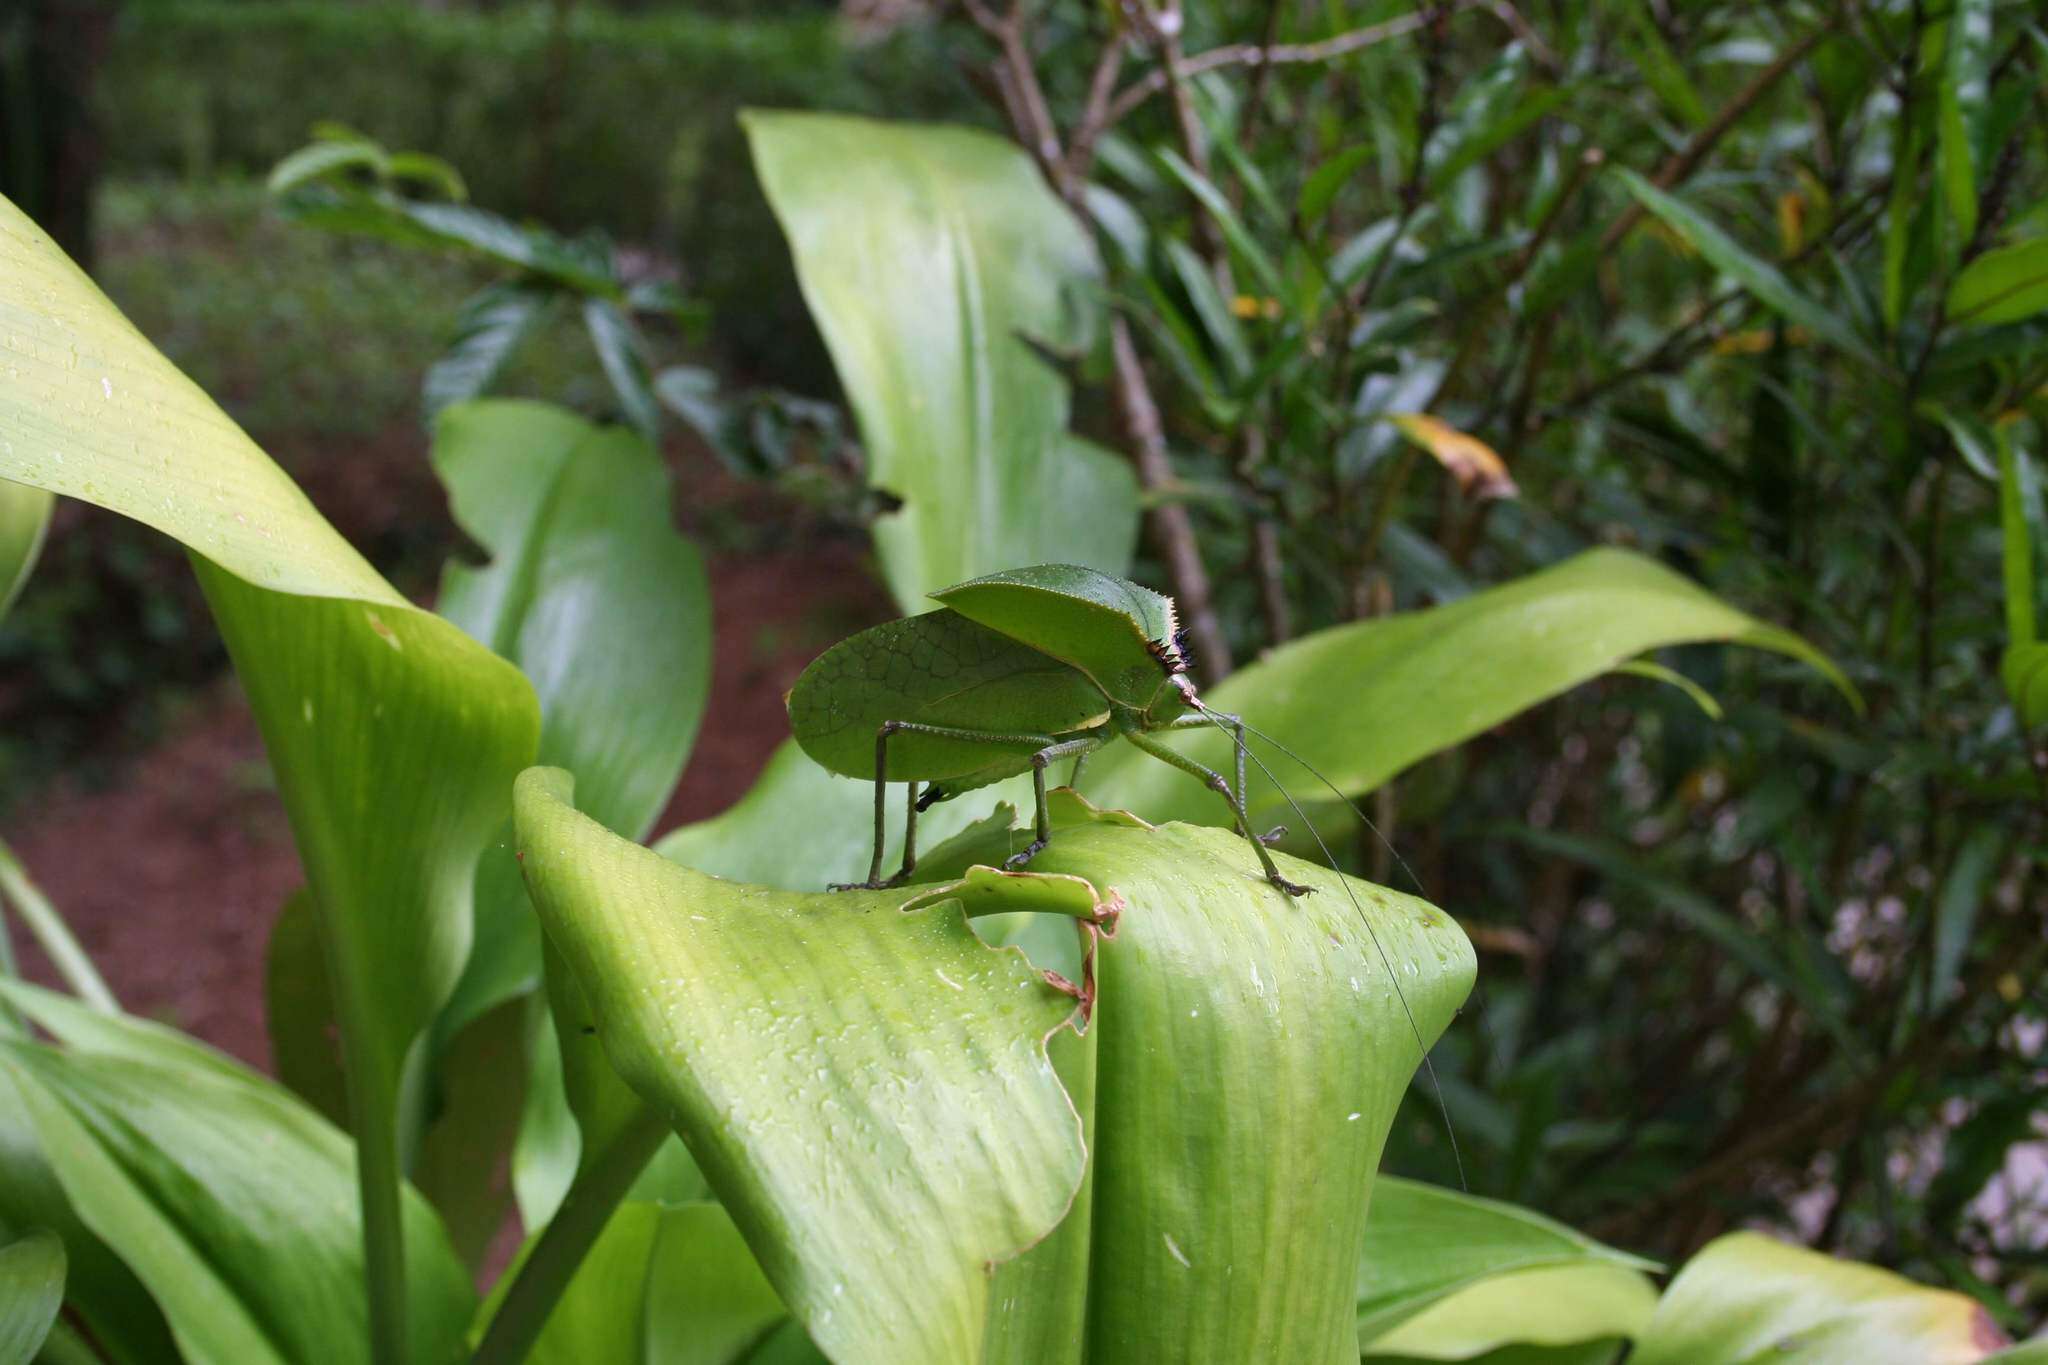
(1426, 1246)
(24, 521)
(316, 160)
(1965, 90)
(2017, 544)
(492, 324)
(393, 735)
(31, 1292)
(427, 170)
(1760, 278)
(1242, 244)
(1451, 673)
(618, 349)
(1490, 112)
(935, 260)
(228, 1197)
(1327, 180)
(1901, 278)
(2006, 285)
(1747, 1297)
(1661, 69)
(1700, 697)
(848, 1076)
(1211, 307)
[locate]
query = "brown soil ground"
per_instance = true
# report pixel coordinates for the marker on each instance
(171, 874)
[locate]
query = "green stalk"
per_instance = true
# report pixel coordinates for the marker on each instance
(588, 1207)
(373, 1120)
(50, 931)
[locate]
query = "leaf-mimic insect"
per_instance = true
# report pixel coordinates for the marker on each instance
(1015, 672)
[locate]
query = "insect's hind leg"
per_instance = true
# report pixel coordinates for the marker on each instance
(1041, 830)
(883, 732)
(1220, 784)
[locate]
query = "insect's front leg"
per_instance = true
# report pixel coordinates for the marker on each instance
(1220, 784)
(1041, 830)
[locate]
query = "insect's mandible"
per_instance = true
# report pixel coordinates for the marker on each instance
(1014, 672)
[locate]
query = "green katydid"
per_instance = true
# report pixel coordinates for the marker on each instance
(1014, 672)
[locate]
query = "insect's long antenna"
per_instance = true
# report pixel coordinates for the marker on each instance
(1428, 1065)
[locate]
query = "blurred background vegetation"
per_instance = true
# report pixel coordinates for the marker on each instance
(1781, 964)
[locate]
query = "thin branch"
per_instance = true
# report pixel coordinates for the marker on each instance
(1682, 163)
(1257, 54)
(1171, 526)
(1172, 529)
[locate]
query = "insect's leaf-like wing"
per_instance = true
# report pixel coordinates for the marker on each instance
(936, 669)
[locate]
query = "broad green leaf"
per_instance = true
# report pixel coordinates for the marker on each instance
(2006, 285)
(1965, 89)
(1430, 1251)
(31, 1292)
(1038, 1307)
(585, 564)
(102, 1292)
(1760, 278)
(1448, 673)
(1747, 1297)
(936, 263)
(600, 1317)
(24, 521)
(298, 1010)
(477, 1103)
(490, 327)
(707, 1301)
(393, 735)
(230, 1199)
(1562, 1306)
(1250, 1052)
(848, 1077)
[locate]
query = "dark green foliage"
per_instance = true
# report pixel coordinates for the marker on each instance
(640, 139)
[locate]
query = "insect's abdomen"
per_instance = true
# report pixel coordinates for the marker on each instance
(935, 669)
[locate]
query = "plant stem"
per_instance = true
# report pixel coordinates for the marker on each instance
(49, 929)
(561, 1249)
